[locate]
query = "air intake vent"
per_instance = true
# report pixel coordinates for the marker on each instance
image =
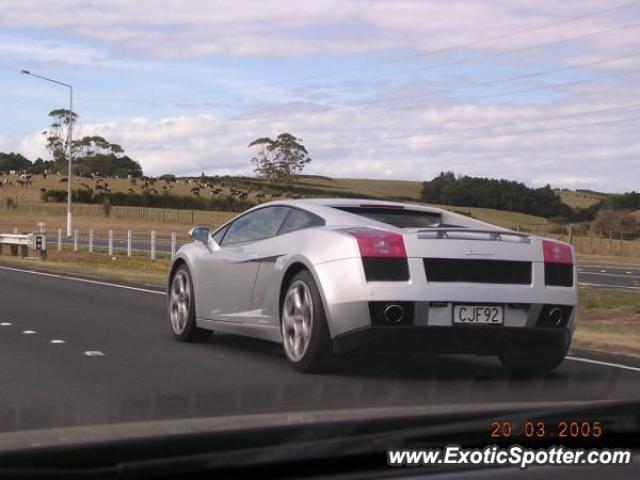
(386, 269)
(478, 271)
(558, 274)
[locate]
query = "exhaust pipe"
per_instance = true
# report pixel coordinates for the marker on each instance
(555, 316)
(393, 313)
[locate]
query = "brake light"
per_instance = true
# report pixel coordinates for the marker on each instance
(556, 252)
(378, 243)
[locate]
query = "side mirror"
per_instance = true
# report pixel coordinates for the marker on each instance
(200, 234)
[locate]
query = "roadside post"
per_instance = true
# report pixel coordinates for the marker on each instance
(59, 239)
(153, 244)
(75, 240)
(610, 240)
(110, 243)
(90, 241)
(128, 243)
(173, 246)
(40, 244)
(571, 234)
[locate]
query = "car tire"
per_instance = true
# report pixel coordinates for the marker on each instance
(305, 335)
(534, 363)
(182, 308)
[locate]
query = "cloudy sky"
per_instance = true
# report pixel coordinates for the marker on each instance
(541, 92)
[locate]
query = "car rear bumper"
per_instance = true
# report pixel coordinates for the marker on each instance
(347, 296)
(477, 339)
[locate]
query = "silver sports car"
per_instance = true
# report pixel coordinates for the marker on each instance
(326, 276)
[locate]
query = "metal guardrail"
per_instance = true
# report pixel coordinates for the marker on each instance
(20, 244)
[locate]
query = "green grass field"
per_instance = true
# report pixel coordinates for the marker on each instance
(405, 189)
(608, 320)
(579, 199)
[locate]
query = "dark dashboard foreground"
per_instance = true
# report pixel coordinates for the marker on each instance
(351, 444)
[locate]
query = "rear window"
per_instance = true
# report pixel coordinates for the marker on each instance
(398, 217)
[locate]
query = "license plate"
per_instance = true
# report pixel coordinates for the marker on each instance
(478, 314)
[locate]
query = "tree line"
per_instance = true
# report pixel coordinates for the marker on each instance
(91, 154)
(500, 194)
(509, 195)
(106, 165)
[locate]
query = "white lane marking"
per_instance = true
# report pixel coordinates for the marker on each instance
(614, 267)
(629, 273)
(85, 280)
(57, 341)
(603, 271)
(602, 285)
(28, 332)
(606, 364)
(6, 324)
(94, 353)
(607, 274)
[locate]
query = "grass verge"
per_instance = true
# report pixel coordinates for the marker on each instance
(137, 269)
(609, 260)
(608, 320)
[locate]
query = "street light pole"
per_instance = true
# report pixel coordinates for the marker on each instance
(69, 148)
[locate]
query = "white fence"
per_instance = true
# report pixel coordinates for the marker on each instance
(125, 242)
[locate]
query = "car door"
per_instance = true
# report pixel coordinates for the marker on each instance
(226, 276)
(266, 288)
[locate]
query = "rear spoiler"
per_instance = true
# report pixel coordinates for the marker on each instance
(473, 234)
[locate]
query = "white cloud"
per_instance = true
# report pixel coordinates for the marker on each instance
(179, 29)
(573, 157)
(32, 146)
(388, 138)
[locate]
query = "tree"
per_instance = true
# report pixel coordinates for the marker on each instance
(13, 161)
(280, 159)
(614, 222)
(467, 191)
(90, 154)
(94, 154)
(58, 137)
(41, 166)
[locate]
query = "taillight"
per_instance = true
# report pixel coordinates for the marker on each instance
(556, 252)
(378, 243)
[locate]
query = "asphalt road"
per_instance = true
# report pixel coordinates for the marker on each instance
(119, 362)
(626, 277)
(604, 276)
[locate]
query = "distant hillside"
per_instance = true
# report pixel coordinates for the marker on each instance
(580, 198)
(406, 189)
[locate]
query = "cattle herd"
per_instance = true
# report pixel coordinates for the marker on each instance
(23, 181)
(195, 186)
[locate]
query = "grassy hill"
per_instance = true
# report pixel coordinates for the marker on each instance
(406, 189)
(410, 190)
(580, 198)
(396, 189)
(513, 220)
